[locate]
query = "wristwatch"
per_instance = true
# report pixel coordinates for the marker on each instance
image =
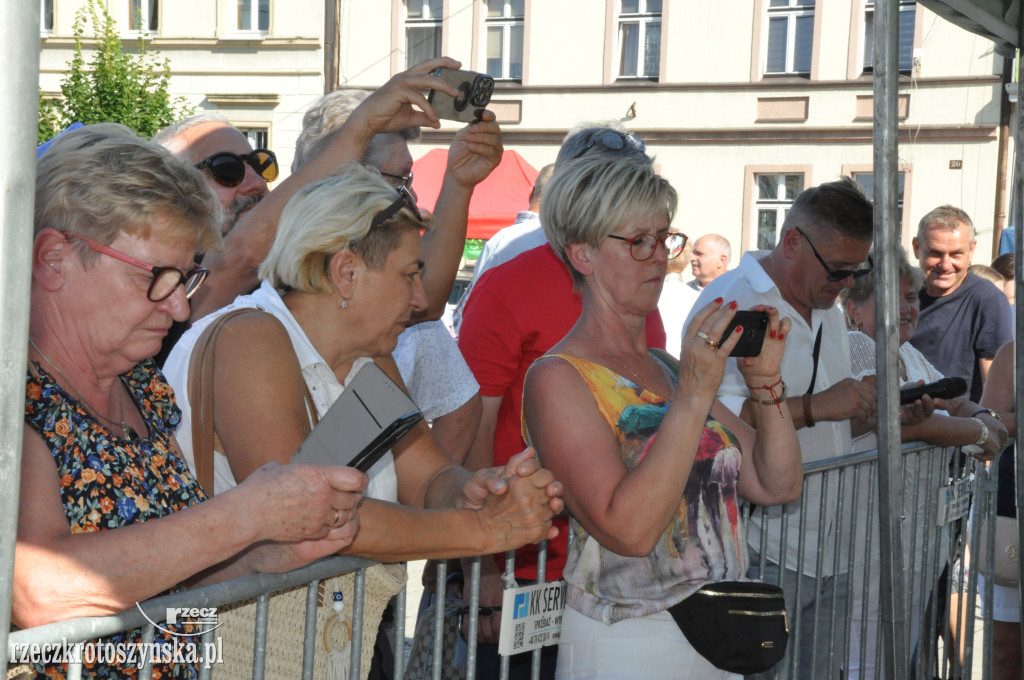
(984, 432)
(989, 411)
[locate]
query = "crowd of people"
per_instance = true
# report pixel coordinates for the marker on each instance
(557, 395)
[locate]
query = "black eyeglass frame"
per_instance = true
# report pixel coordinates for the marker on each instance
(406, 180)
(835, 275)
(661, 240)
(404, 200)
(192, 280)
(263, 161)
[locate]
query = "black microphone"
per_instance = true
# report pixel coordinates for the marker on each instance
(947, 388)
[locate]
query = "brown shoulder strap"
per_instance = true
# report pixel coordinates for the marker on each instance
(200, 397)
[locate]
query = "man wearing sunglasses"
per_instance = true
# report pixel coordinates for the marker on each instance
(823, 246)
(238, 175)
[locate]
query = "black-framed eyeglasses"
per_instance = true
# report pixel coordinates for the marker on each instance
(617, 141)
(642, 247)
(403, 180)
(404, 200)
(165, 279)
(836, 274)
(228, 169)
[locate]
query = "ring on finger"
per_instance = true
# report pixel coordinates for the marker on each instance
(337, 518)
(707, 339)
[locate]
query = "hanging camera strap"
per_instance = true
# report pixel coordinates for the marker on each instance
(817, 350)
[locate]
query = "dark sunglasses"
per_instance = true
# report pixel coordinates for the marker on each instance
(404, 180)
(165, 279)
(617, 141)
(228, 169)
(836, 274)
(404, 200)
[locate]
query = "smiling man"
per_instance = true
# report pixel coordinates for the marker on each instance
(964, 320)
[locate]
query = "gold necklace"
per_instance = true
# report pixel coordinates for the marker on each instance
(129, 431)
(637, 380)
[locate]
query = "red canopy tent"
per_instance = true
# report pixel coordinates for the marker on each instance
(496, 201)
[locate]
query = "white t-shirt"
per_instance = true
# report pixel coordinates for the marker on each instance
(432, 367)
(323, 386)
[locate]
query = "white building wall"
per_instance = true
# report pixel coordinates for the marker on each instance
(701, 118)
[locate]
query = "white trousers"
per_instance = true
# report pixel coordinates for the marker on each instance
(651, 648)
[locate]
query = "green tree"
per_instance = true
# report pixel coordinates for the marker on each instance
(117, 86)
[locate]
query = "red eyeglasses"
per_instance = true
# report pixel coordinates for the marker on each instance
(165, 279)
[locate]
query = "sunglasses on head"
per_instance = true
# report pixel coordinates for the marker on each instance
(617, 141)
(228, 169)
(404, 200)
(403, 180)
(836, 274)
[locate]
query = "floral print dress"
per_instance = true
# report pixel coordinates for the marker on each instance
(703, 542)
(107, 482)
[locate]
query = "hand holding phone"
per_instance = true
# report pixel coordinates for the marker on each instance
(755, 325)
(475, 91)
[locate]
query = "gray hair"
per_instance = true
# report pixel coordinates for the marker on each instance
(590, 197)
(324, 118)
(585, 139)
(101, 181)
(946, 217)
(328, 216)
(840, 206)
(720, 243)
(170, 136)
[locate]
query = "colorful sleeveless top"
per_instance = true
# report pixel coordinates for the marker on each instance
(107, 482)
(703, 542)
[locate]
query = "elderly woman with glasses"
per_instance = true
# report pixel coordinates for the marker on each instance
(109, 513)
(652, 464)
(339, 285)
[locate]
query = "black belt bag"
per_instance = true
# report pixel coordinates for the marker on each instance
(739, 626)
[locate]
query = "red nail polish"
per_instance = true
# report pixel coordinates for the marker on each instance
(781, 336)
(733, 305)
(718, 301)
(739, 329)
(772, 334)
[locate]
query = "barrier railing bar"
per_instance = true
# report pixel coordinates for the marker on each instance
(259, 649)
(206, 668)
(309, 633)
(400, 607)
(358, 596)
(507, 580)
(474, 615)
(148, 638)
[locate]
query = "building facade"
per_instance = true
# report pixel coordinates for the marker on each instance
(743, 102)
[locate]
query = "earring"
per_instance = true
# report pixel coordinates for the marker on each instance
(343, 303)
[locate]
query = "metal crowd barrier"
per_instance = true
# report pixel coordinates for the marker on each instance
(938, 576)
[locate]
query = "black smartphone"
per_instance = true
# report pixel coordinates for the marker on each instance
(947, 388)
(475, 91)
(382, 443)
(755, 325)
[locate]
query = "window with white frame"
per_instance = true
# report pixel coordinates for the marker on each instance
(46, 17)
(253, 16)
(866, 181)
(257, 136)
(908, 12)
(505, 39)
(790, 36)
(422, 30)
(774, 197)
(639, 38)
(143, 16)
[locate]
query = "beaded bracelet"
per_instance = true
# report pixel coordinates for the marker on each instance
(777, 399)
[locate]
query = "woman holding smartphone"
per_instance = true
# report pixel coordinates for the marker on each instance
(652, 464)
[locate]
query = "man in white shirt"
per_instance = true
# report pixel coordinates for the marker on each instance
(708, 259)
(823, 245)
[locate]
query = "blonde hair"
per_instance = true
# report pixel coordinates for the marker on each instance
(102, 180)
(589, 198)
(328, 216)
